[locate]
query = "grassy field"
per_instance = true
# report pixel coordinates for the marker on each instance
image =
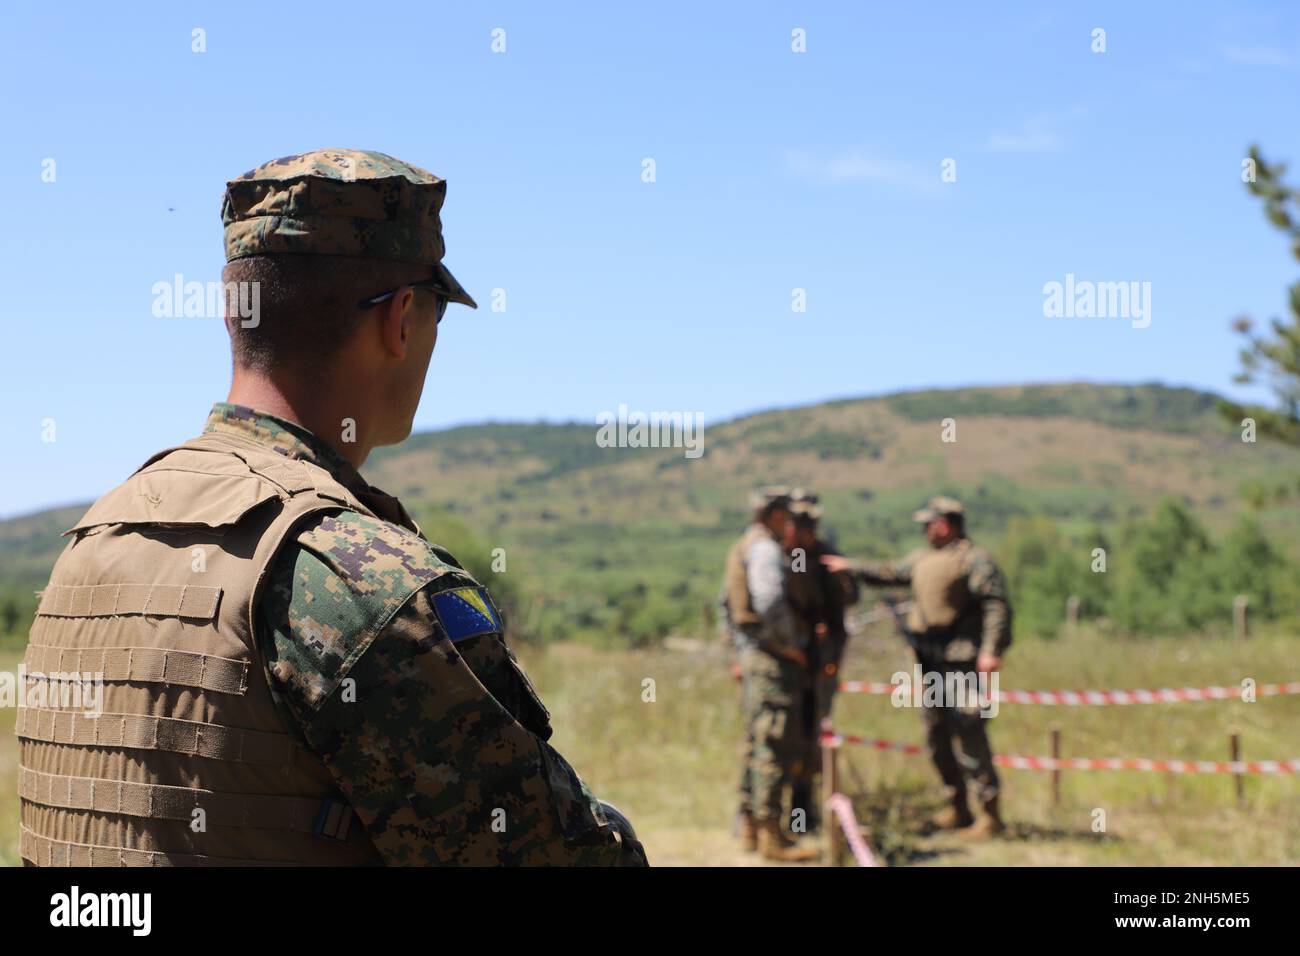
(8, 771)
(670, 763)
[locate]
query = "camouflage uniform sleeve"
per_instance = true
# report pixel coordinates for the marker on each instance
(765, 570)
(388, 659)
(985, 583)
(884, 573)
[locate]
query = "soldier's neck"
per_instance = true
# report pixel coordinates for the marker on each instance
(315, 407)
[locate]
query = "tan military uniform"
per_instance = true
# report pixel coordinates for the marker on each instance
(959, 610)
(738, 605)
(770, 685)
(737, 600)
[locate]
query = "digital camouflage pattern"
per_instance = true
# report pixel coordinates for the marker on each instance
(438, 746)
(968, 728)
(756, 579)
(771, 689)
(939, 506)
(978, 606)
(343, 202)
(284, 438)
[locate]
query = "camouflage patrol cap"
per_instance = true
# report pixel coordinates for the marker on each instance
(341, 202)
(939, 507)
(806, 510)
(770, 496)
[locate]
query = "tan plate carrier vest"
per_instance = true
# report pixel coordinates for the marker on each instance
(940, 596)
(190, 762)
(735, 578)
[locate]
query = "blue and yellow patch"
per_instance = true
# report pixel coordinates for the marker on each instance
(466, 612)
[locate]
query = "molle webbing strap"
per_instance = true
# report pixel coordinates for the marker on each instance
(145, 665)
(137, 732)
(159, 802)
(46, 852)
(115, 600)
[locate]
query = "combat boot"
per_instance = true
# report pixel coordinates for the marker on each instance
(956, 817)
(772, 846)
(748, 833)
(990, 822)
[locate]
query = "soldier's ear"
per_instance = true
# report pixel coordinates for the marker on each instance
(395, 317)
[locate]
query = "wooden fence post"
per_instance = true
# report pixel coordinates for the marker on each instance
(1056, 772)
(1240, 625)
(831, 786)
(1234, 751)
(1072, 612)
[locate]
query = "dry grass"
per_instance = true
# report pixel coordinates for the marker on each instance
(671, 763)
(8, 771)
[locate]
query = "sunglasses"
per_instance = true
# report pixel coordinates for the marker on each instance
(432, 285)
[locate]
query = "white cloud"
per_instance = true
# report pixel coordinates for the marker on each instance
(857, 166)
(1034, 136)
(1260, 56)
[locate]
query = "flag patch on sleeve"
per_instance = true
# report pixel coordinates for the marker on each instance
(466, 612)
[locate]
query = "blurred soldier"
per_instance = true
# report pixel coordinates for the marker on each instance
(960, 623)
(808, 607)
(820, 598)
(293, 673)
(773, 669)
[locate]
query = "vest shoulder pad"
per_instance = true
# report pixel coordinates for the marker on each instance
(182, 489)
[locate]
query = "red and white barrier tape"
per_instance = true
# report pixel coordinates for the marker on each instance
(839, 740)
(1018, 762)
(842, 807)
(1076, 698)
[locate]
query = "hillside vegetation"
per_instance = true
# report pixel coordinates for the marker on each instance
(624, 546)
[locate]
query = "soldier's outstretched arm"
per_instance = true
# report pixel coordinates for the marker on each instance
(391, 663)
(878, 573)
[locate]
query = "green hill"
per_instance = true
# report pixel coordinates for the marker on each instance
(626, 545)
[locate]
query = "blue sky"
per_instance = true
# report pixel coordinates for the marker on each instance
(774, 171)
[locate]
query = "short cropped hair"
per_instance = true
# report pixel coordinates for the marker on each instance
(307, 305)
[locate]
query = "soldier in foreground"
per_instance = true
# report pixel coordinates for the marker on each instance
(819, 598)
(293, 673)
(773, 674)
(960, 622)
